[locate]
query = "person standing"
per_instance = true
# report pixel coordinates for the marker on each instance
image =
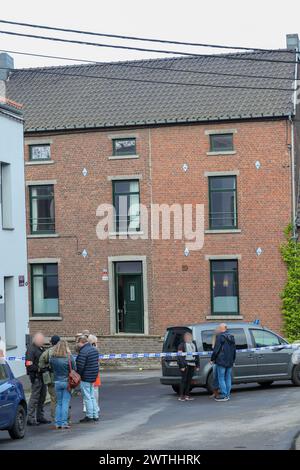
(87, 363)
(187, 364)
(92, 339)
(38, 388)
(223, 356)
(215, 383)
(47, 373)
(61, 362)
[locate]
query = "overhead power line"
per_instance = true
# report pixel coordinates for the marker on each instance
(142, 49)
(133, 38)
(147, 67)
(164, 82)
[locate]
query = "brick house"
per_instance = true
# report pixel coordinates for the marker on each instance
(229, 144)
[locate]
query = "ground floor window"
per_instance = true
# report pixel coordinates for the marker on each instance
(129, 297)
(224, 287)
(44, 289)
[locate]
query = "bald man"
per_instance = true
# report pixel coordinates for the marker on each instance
(38, 388)
(224, 356)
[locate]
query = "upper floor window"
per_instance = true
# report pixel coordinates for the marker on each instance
(222, 202)
(126, 200)
(6, 215)
(39, 152)
(221, 142)
(42, 214)
(126, 146)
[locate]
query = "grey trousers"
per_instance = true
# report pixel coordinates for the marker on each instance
(37, 400)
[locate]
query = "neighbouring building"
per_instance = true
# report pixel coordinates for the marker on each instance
(101, 133)
(13, 253)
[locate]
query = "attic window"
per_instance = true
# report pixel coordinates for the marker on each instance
(126, 146)
(221, 142)
(39, 152)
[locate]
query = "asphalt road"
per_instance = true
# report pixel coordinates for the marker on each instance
(139, 413)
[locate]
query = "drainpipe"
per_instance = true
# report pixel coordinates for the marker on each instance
(292, 149)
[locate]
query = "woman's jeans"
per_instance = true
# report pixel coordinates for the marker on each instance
(63, 397)
(224, 379)
(88, 395)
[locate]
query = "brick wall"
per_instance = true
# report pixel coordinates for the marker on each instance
(176, 296)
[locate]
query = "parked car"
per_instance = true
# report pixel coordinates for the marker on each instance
(13, 407)
(263, 367)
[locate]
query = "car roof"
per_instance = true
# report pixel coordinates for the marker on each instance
(205, 325)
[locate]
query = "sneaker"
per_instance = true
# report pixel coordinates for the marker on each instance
(221, 398)
(66, 427)
(86, 419)
(181, 399)
(96, 419)
(57, 427)
(33, 423)
(188, 398)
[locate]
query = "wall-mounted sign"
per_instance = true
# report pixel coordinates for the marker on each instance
(21, 281)
(104, 274)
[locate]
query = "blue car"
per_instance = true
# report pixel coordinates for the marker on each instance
(13, 407)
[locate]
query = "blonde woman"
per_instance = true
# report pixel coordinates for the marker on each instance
(60, 361)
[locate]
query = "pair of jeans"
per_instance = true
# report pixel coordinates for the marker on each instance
(89, 400)
(63, 397)
(224, 379)
(186, 379)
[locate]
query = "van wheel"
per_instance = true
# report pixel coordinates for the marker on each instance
(296, 375)
(265, 384)
(18, 429)
(209, 383)
(176, 389)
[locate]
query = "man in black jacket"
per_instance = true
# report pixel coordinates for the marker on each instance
(87, 364)
(38, 388)
(224, 356)
(187, 364)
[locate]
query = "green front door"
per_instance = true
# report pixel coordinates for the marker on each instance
(130, 312)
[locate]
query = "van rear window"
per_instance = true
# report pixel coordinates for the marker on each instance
(208, 337)
(173, 339)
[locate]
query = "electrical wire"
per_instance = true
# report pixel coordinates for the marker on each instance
(141, 49)
(164, 82)
(134, 38)
(140, 66)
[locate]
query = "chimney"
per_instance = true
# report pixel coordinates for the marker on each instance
(292, 42)
(6, 63)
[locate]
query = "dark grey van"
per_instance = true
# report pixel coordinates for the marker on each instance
(264, 367)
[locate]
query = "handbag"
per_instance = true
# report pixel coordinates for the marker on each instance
(74, 377)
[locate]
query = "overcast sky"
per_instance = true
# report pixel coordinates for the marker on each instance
(259, 23)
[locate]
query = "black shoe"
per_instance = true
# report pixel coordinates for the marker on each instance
(32, 423)
(96, 419)
(44, 421)
(86, 419)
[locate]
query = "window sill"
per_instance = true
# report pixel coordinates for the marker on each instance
(224, 317)
(227, 230)
(122, 157)
(40, 162)
(224, 152)
(10, 347)
(45, 318)
(9, 229)
(43, 235)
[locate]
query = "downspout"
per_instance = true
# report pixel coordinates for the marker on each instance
(292, 152)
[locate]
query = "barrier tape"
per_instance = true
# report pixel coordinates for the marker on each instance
(171, 354)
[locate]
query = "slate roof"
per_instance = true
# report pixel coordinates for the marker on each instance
(54, 100)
